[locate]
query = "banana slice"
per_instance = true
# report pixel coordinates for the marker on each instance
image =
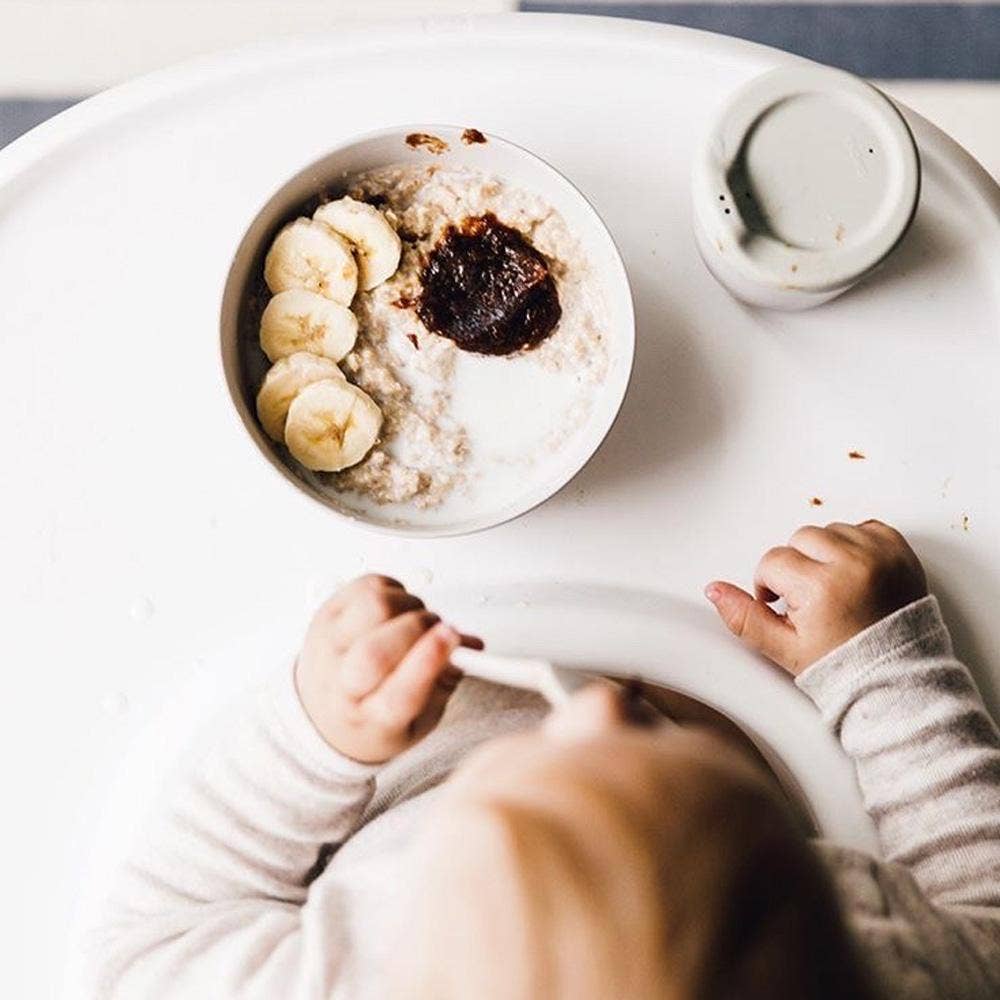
(310, 255)
(378, 246)
(283, 382)
(297, 320)
(331, 425)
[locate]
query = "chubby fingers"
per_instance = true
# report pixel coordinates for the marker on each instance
(784, 572)
(370, 582)
(821, 544)
(371, 658)
(757, 625)
(404, 692)
(364, 605)
(830, 543)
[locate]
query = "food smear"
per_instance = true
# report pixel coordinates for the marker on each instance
(432, 143)
(472, 137)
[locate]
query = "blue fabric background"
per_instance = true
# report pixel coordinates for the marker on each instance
(17, 116)
(887, 40)
(909, 41)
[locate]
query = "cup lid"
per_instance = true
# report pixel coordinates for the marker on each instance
(808, 180)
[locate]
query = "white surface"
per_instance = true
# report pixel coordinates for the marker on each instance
(967, 110)
(60, 47)
(518, 454)
(144, 540)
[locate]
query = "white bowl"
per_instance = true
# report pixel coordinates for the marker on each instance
(243, 361)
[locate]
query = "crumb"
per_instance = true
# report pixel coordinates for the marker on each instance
(816, 501)
(472, 135)
(412, 338)
(855, 454)
(795, 267)
(965, 522)
(840, 233)
(418, 140)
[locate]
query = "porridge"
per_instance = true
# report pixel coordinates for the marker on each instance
(387, 297)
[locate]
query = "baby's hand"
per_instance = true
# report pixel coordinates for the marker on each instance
(836, 581)
(373, 673)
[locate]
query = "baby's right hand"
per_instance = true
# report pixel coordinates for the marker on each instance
(836, 581)
(373, 674)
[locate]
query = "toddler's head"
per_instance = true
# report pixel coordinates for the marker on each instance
(593, 859)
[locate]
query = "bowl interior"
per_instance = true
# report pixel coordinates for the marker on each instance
(244, 363)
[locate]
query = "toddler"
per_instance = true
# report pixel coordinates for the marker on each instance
(373, 825)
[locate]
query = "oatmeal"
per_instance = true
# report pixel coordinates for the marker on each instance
(468, 291)
(410, 371)
(423, 202)
(428, 449)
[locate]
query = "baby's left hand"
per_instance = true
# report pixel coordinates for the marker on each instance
(373, 674)
(836, 581)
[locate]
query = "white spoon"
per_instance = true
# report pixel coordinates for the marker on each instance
(555, 684)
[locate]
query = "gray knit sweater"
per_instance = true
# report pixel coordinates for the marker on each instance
(219, 900)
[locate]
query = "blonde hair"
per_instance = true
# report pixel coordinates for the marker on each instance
(630, 867)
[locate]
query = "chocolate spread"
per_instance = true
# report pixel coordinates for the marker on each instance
(488, 289)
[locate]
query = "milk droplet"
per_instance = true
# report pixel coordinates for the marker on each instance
(114, 703)
(142, 609)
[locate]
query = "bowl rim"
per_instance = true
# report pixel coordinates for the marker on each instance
(619, 278)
